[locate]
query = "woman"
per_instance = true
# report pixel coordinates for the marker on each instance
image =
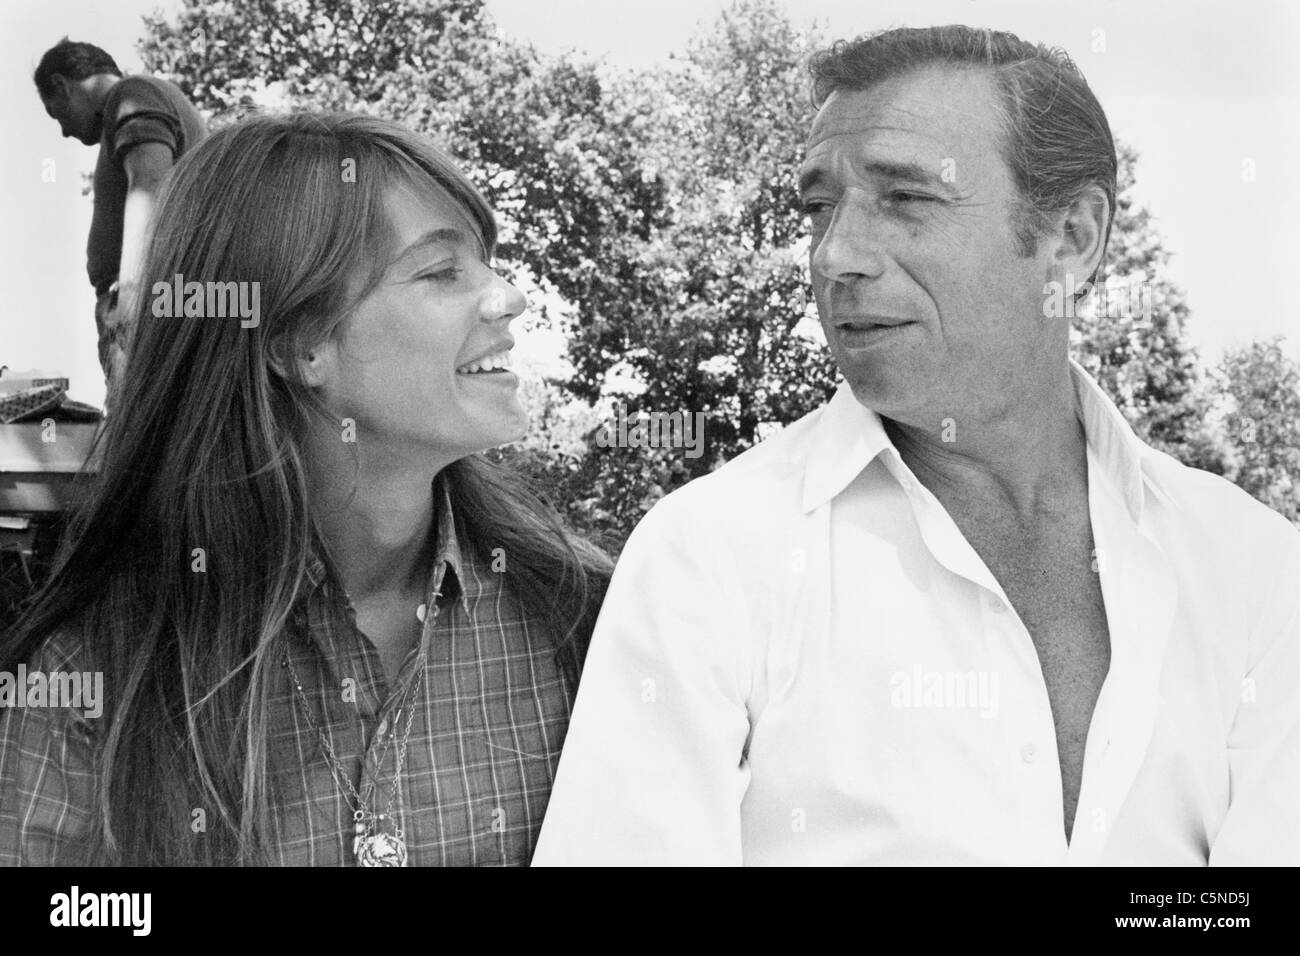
(330, 631)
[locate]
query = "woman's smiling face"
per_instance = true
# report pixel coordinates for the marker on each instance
(419, 362)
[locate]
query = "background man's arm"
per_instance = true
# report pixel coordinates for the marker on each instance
(652, 771)
(146, 165)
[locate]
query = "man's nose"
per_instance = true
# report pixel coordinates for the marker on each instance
(850, 247)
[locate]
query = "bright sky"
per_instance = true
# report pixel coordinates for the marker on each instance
(1199, 87)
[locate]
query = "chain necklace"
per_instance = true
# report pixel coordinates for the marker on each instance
(371, 846)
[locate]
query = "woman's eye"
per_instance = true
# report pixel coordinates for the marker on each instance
(815, 206)
(443, 275)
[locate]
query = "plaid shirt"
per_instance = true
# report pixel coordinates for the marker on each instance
(485, 735)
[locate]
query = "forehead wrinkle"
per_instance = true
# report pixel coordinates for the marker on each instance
(871, 109)
(866, 106)
(880, 148)
(877, 159)
(921, 130)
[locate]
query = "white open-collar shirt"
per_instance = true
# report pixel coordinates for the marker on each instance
(801, 660)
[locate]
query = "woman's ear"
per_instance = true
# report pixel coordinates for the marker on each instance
(310, 367)
(315, 366)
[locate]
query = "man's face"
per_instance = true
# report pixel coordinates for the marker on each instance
(70, 106)
(928, 307)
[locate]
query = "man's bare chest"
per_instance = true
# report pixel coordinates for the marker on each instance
(1051, 582)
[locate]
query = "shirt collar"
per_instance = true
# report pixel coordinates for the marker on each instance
(1124, 458)
(847, 438)
(850, 436)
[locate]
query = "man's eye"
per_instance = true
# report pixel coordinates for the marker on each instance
(904, 196)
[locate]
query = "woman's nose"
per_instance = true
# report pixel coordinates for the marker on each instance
(504, 301)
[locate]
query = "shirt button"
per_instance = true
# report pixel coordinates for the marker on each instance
(996, 604)
(1028, 753)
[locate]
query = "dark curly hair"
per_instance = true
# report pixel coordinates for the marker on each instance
(76, 61)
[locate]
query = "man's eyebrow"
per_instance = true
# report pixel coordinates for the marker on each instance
(911, 172)
(887, 169)
(810, 178)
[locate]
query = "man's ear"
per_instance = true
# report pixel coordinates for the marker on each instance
(60, 91)
(1083, 235)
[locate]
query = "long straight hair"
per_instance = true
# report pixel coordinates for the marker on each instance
(205, 450)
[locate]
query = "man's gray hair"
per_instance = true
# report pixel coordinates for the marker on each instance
(1056, 140)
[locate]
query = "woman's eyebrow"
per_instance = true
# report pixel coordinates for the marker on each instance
(449, 235)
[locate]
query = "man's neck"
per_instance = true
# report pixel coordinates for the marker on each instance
(1027, 454)
(98, 87)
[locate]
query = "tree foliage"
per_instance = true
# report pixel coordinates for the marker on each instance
(325, 52)
(660, 207)
(1132, 338)
(1263, 425)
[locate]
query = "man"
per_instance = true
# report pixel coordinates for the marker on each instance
(142, 126)
(960, 614)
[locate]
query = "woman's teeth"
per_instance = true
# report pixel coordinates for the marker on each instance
(490, 363)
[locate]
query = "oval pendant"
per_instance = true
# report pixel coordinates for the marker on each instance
(381, 849)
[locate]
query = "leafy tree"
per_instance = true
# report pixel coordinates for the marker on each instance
(1131, 338)
(325, 52)
(660, 206)
(539, 137)
(729, 266)
(704, 310)
(1263, 385)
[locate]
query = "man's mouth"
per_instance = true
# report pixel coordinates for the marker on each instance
(864, 331)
